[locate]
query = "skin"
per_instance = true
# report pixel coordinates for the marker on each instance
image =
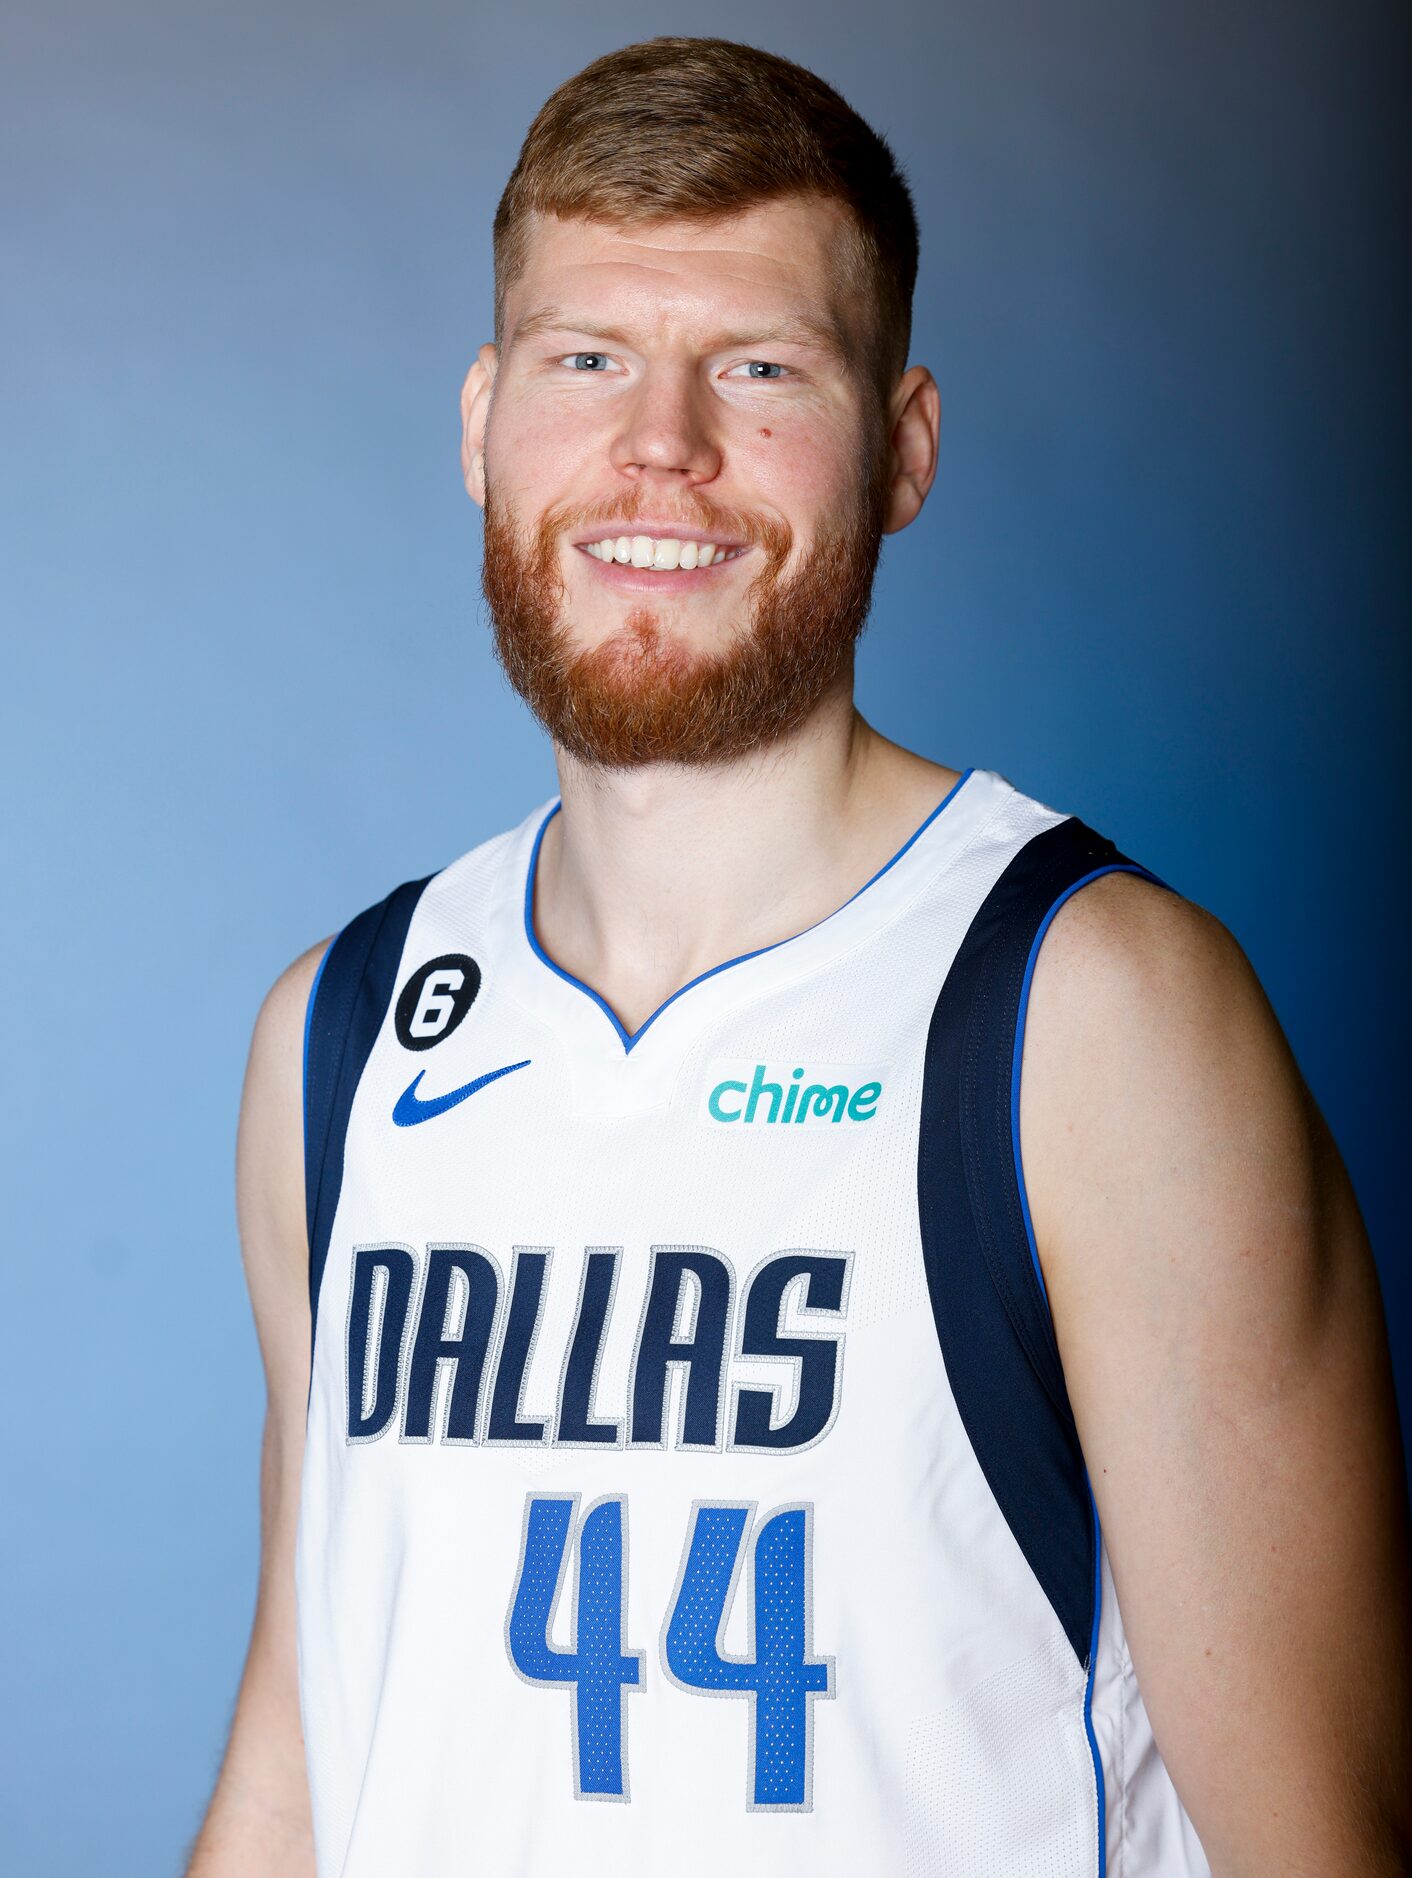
(259, 1818)
(653, 875)
(1217, 1309)
(1211, 1284)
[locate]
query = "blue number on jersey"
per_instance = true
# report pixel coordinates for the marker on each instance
(781, 1676)
(597, 1666)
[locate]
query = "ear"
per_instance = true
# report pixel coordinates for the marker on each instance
(914, 414)
(475, 409)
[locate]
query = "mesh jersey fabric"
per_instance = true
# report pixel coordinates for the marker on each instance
(689, 1478)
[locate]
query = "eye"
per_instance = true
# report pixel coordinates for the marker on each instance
(586, 361)
(759, 368)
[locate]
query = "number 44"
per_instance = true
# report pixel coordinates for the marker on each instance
(779, 1676)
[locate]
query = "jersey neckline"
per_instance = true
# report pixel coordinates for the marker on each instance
(630, 1039)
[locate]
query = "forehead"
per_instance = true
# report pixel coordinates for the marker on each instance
(777, 259)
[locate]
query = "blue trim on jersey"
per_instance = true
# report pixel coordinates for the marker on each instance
(1088, 1686)
(1097, 873)
(992, 1317)
(629, 1038)
(1115, 867)
(308, 1026)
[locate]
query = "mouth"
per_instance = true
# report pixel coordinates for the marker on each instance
(666, 551)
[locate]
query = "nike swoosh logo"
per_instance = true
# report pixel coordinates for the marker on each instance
(411, 1109)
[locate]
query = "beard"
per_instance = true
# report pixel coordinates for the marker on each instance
(642, 695)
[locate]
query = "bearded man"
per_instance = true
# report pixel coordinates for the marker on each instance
(791, 1222)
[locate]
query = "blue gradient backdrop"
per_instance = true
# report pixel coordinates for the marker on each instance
(1162, 582)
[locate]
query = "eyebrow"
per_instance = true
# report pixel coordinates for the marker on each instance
(802, 329)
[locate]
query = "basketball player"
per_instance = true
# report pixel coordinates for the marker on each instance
(840, 1342)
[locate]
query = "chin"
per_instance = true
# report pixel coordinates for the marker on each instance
(646, 641)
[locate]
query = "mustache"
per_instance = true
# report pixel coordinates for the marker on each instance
(699, 513)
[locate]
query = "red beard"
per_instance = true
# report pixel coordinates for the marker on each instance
(641, 696)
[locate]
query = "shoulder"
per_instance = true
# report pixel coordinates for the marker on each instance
(1130, 961)
(270, 1143)
(271, 1110)
(270, 1173)
(280, 1020)
(1173, 1156)
(1141, 994)
(1140, 1007)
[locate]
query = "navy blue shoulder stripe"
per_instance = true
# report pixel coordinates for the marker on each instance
(346, 1007)
(992, 1317)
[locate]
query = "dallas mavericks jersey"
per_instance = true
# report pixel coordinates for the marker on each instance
(690, 1483)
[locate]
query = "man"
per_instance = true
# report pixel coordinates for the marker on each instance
(791, 1222)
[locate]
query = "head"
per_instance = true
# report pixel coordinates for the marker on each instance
(704, 269)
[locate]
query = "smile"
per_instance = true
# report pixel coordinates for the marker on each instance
(659, 553)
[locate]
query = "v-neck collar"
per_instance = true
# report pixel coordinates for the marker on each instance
(873, 903)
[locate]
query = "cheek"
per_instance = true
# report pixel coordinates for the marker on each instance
(535, 456)
(801, 466)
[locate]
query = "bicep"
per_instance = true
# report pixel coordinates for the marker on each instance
(274, 1247)
(1217, 1309)
(259, 1816)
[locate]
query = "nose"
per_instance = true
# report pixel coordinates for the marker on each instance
(666, 436)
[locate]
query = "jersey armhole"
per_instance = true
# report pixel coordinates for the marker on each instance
(983, 1273)
(347, 1003)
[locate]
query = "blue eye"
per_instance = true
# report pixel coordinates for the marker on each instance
(589, 361)
(761, 368)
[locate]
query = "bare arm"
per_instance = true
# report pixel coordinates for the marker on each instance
(1217, 1310)
(258, 1819)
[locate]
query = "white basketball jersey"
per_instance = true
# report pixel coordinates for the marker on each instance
(690, 1484)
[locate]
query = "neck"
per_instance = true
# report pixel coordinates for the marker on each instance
(649, 877)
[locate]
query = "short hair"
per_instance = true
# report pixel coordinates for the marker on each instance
(685, 129)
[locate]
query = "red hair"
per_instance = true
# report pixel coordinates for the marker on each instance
(702, 129)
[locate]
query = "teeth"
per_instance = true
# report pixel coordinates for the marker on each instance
(663, 555)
